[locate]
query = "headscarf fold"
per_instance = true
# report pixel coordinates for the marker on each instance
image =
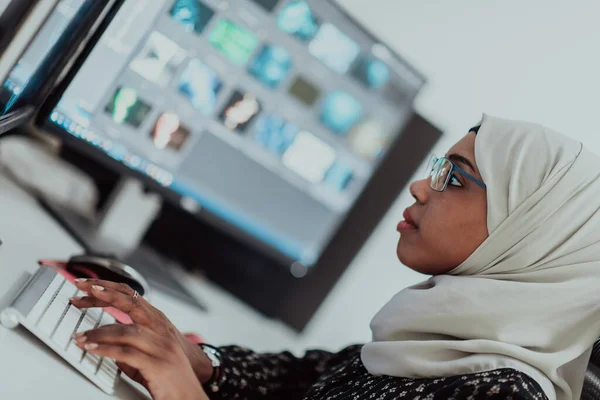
(529, 297)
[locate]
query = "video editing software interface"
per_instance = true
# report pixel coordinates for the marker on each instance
(40, 47)
(270, 115)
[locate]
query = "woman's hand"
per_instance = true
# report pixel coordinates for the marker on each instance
(120, 296)
(156, 362)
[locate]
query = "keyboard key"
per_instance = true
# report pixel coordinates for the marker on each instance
(107, 319)
(41, 305)
(74, 352)
(87, 323)
(108, 371)
(65, 293)
(55, 312)
(51, 318)
(90, 363)
(67, 327)
(93, 316)
(109, 365)
(107, 380)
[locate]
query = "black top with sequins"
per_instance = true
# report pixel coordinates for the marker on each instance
(327, 376)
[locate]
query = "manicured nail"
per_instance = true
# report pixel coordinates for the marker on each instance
(90, 346)
(98, 288)
(76, 298)
(80, 280)
(80, 337)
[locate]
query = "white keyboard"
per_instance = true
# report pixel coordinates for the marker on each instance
(42, 306)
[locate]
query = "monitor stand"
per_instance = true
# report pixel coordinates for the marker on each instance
(157, 270)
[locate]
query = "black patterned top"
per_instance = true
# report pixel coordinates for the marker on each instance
(327, 376)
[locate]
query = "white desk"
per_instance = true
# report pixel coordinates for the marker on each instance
(30, 370)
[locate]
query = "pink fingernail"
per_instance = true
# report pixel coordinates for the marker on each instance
(76, 298)
(90, 346)
(80, 337)
(99, 288)
(80, 280)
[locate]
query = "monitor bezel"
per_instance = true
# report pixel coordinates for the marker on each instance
(42, 122)
(12, 18)
(24, 20)
(54, 67)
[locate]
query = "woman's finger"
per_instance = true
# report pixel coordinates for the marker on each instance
(88, 302)
(86, 285)
(135, 306)
(136, 336)
(124, 354)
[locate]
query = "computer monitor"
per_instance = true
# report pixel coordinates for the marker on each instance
(265, 118)
(39, 49)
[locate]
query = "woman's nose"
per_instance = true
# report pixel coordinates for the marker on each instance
(420, 190)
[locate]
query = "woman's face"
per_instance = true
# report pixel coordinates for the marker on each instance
(442, 229)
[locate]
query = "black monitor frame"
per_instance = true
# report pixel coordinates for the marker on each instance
(11, 19)
(52, 68)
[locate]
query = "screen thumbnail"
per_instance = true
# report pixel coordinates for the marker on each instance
(240, 110)
(201, 85)
(159, 59)
(371, 72)
(309, 157)
(193, 15)
(236, 43)
(169, 133)
(369, 139)
(339, 176)
(298, 19)
(125, 107)
(341, 112)
(304, 91)
(271, 65)
(334, 48)
(274, 133)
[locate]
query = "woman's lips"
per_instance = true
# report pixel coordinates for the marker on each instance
(408, 224)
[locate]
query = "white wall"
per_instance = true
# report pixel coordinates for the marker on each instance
(537, 60)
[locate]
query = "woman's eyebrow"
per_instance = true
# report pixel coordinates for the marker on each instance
(462, 160)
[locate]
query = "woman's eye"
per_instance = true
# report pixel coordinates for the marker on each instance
(454, 181)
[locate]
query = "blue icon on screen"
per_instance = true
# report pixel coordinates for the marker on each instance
(373, 73)
(271, 65)
(341, 112)
(339, 176)
(334, 48)
(201, 85)
(192, 14)
(275, 134)
(298, 20)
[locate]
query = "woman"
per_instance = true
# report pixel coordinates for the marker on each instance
(508, 226)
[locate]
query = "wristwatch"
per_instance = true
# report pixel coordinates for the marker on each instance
(215, 360)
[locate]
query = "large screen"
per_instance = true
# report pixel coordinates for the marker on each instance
(268, 117)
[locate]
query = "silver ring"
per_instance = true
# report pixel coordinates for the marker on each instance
(135, 295)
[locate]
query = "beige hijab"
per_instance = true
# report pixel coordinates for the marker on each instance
(529, 297)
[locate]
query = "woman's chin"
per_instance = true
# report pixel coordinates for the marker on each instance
(408, 255)
(403, 252)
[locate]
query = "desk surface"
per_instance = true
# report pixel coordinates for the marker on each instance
(30, 370)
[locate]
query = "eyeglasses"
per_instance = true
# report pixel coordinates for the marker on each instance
(441, 171)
